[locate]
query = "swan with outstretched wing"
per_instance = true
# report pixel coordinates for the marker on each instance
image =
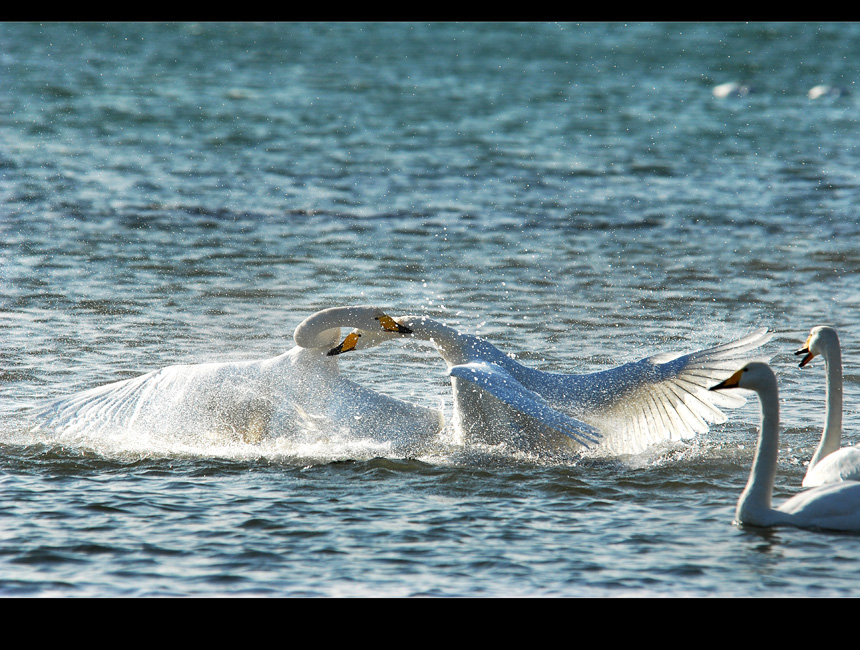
(251, 400)
(620, 410)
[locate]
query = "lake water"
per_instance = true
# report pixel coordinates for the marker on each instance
(577, 194)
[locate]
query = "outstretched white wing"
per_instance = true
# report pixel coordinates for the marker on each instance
(499, 382)
(114, 404)
(663, 397)
(179, 398)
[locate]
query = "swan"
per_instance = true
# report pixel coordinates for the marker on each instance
(832, 507)
(625, 409)
(825, 90)
(830, 464)
(249, 400)
(733, 89)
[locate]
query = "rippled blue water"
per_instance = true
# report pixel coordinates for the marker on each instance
(179, 193)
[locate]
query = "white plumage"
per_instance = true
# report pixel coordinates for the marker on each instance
(830, 507)
(830, 463)
(624, 409)
(299, 390)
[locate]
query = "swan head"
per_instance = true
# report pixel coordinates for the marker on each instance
(362, 338)
(819, 338)
(753, 376)
(321, 331)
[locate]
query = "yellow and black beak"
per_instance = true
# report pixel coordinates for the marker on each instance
(805, 350)
(391, 325)
(388, 325)
(731, 382)
(346, 345)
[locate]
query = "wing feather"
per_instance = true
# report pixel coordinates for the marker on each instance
(662, 397)
(498, 382)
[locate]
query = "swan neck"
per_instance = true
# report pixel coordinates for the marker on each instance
(322, 329)
(831, 438)
(756, 498)
(448, 341)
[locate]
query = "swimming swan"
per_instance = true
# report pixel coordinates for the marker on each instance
(833, 507)
(249, 400)
(830, 464)
(498, 400)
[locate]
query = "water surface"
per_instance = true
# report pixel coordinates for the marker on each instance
(183, 193)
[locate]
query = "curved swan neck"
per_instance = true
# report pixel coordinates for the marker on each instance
(832, 436)
(450, 343)
(322, 329)
(756, 498)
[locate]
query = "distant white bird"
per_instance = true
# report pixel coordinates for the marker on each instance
(732, 89)
(250, 400)
(825, 90)
(831, 507)
(497, 400)
(830, 463)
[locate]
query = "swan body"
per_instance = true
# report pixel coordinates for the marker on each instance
(830, 507)
(625, 409)
(830, 463)
(825, 90)
(298, 390)
(732, 89)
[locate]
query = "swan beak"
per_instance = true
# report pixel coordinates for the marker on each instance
(805, 359)
(351, 340)
(731, 382)
(348, 344)
(805, 350)
(391, 325)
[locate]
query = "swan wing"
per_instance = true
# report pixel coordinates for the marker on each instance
(499, 382)
(842, 465)
(115, 403)
(833, 507)
(176, 396)
(665, 396)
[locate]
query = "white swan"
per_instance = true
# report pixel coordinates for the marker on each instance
(249, 400)
(830, 464)
(496, 399)
(831, 507)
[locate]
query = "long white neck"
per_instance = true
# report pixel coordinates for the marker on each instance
(322, 329)
(456, 347)
(831, 439)
(451, 344)
(755, 502)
